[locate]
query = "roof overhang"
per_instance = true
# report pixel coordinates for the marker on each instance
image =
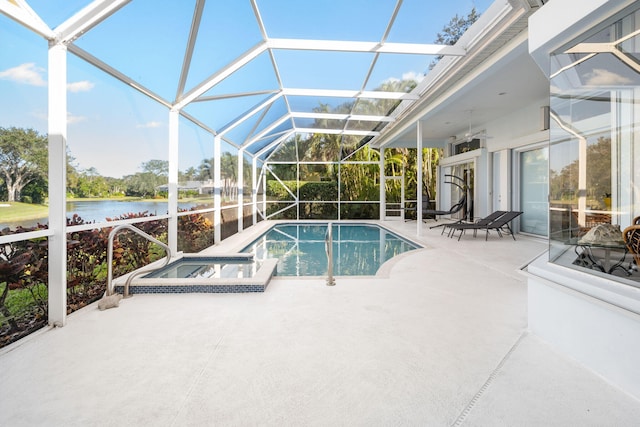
(495, 76)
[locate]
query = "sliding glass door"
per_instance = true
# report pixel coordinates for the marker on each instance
(534, 189)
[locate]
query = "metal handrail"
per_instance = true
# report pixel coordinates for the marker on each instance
(135, 273)
(328, 245)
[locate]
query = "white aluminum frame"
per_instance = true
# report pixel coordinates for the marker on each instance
(61, 40)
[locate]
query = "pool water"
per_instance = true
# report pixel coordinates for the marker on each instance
(358, 249)
(207, 268)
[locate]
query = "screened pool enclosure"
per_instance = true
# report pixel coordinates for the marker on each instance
(221, 114)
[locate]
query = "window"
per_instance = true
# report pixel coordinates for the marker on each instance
(594, 150)
(534, 188)
(466, 146)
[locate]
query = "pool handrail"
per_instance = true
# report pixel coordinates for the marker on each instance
(152, 239)
(328, 245)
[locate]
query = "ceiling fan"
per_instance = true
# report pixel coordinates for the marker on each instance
(470, 136)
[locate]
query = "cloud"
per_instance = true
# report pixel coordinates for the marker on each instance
(412, 75)
(150, 125)
(601, 77)
(71, 119)
(81, 86)
(26, 73)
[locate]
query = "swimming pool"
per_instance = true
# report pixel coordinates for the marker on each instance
(358, 249)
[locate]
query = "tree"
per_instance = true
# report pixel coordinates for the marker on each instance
(23, 159)
(91, 184)
(564, 184)
(452, 32)
(228, 166)
(205, 170)
(144, 184)
(156, 167)
(190, 174)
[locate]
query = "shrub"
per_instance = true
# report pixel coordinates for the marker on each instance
(195, 233)
(24, 266)
(23, 278)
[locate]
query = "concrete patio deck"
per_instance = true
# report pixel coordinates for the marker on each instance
(439, 338)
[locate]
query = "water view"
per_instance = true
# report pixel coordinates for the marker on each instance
(99, 210)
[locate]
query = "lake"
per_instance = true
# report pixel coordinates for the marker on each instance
(99, 210)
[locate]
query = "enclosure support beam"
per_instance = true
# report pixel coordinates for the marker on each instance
(383, 203)
(57, 184)
(217, 186)
(23, 14)
(254, 189)
(263, 173)
(174, 140)
(240, 183)
(582, 181)
(419, 177)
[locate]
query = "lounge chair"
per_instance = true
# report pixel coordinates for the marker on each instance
(498, 224)
(461, 204)
(476, 225)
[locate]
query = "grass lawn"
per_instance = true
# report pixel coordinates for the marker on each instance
(16, 211)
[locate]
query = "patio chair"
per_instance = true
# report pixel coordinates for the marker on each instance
(479, 223)
(498, 225)
(462, 203)
(631, 237)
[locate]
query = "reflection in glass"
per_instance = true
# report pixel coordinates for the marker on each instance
(593, 146)
(534, 190)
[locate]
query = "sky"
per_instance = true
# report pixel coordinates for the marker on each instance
(114, 129)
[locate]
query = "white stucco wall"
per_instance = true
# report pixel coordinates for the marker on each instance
(592, 320)
(520, 128)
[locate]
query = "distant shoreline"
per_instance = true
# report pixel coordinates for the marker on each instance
(13, 213)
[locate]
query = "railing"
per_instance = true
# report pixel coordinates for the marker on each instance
(135, 273)
(328, 245)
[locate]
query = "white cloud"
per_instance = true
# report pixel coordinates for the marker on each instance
(412, 75)
(75, 119)
(601, 77)
(71, 118)
(81, 86)
(150, 125)
(26, 73)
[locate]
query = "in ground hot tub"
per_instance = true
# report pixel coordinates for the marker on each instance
(192, 273)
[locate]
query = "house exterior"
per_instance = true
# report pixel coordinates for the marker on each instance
(551, 92)
(535, 108)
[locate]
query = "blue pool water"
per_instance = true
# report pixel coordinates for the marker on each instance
(207, 268)
(358, 249)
